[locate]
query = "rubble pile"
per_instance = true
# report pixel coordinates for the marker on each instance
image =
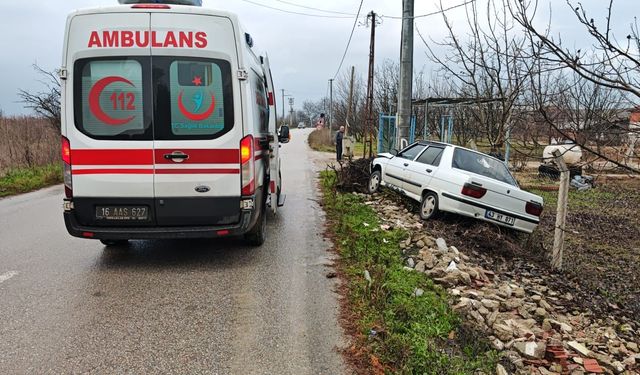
(537, 329)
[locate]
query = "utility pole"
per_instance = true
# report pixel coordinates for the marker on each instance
(291, 112)
(369, 107)
(353, 73)
(347, 142)
(330, 120)
(406, 75)
(283, 104)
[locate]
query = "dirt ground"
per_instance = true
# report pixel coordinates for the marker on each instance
(601, 268)
(601, 263)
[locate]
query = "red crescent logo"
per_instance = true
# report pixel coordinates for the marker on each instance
(94, 101)
(196, 116)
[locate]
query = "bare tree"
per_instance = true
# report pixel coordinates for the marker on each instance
(487, 64)
(590, 105)
(357, 120)
(610, 62)
(45, 103)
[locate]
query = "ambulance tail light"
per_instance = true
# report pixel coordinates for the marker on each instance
(66, 159)
(247, 165)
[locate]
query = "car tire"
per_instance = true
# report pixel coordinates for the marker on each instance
(114, 243)
(374, 182)
(429, 206)
(257, 235)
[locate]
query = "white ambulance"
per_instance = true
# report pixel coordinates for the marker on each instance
(168, 125)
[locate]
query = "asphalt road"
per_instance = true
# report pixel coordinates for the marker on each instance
(69, 305)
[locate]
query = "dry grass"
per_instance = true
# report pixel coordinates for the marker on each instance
(319, 140)
(27, 142)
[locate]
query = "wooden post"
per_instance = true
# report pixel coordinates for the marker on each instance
(347, 145)
(561, 214)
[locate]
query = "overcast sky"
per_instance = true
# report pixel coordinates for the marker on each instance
(305, 51)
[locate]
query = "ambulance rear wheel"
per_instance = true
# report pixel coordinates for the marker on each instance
(258, 234)
(113, 243)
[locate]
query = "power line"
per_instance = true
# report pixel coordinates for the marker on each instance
(433, 13)
(355, 21)
(292, 12)
(312, 8)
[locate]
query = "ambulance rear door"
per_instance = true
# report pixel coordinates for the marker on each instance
(197, 119)
(109, 118)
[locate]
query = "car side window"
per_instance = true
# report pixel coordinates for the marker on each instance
(431, 156)
(411, 152)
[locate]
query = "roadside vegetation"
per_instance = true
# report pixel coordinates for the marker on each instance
(400, 321)
(26, 179)
(319, 141)
(30, 154)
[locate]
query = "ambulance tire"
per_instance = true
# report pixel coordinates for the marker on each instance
(114, 243)
(258, 234)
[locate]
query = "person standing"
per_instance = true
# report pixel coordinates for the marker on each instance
(339, 137)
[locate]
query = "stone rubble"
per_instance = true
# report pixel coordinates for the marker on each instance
(525, 320)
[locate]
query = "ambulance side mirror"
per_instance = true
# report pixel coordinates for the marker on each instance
(284, 136)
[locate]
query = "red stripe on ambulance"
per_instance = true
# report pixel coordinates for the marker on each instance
(201, 156)
(146, 156)
(112, 157)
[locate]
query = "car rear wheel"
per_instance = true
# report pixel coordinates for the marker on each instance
(429, 206)
(374, 182)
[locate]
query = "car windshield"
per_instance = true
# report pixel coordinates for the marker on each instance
(483, 165)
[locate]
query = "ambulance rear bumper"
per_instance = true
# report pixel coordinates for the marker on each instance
(247, 219)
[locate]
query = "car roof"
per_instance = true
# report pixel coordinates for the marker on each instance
(423, 142)
(426, 143)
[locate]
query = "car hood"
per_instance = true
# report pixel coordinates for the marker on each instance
(385, 155)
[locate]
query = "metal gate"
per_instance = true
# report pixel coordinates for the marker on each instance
(387, 132)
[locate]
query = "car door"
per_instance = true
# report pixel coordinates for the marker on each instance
(198, 122)
(420, 171)
(109, 125)
(395, 171)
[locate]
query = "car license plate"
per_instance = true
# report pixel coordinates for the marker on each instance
(122, 213)
(495, 216)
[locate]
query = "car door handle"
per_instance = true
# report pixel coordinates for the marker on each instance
(176, 156)
(429, 170)
(406, 164)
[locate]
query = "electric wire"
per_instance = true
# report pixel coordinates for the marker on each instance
(344, 15)
(293, 12)
(355, 22)
(432, 13)
(312, 8)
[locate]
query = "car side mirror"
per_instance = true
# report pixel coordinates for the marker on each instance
(394, 152)
(284, 136)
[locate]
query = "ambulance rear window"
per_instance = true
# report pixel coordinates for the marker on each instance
(194, 98)
(109, 98)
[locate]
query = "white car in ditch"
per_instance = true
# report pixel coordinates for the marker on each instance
(445, 177)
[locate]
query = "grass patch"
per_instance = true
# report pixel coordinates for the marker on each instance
(319, 140)
(591, 199)
(23, 180)
(412, 333)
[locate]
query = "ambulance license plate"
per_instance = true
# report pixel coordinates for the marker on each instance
(122, 213)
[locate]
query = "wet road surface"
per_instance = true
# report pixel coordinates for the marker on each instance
(69, 305)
